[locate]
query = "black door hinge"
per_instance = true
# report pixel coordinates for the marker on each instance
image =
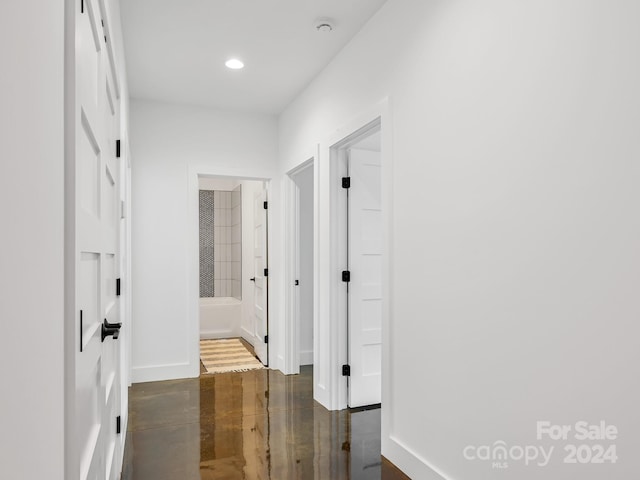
(117, 148)
(346, 370)
(81, 6)
(266, 339)
(297, 283)
(346, 276)
(118, 425)
(346, 182)
(266, 272)
(117, 287)
(265, 205)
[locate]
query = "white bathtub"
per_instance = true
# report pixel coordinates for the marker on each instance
(220, 317)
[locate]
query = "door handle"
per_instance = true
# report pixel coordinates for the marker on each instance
(110, 329)
(112, 325)
(252, 279)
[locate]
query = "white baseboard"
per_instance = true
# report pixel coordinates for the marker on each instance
(306, 357)
(212, 334)
(279, 365)
(409, 461)
(321, 395)
(248, 336)
(156, 373)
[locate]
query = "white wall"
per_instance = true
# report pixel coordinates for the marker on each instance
(32, 243)
(304, 181)
(516, 221)
(171, 145)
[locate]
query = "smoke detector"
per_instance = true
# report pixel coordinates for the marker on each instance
(324, 25)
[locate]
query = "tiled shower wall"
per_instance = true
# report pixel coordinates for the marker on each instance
(206, 243)
(235, 244)
(220, 243)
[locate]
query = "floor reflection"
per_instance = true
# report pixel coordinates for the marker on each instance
(252, 425)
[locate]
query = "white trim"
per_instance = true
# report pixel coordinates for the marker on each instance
(330, 341)
(170, 371)
(247, 335)
(292, 297)
(413, 464)
(306, 357)
(214, 334)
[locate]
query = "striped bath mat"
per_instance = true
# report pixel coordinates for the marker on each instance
(227, 355)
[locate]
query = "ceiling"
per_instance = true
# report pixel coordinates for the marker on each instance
(176, 49)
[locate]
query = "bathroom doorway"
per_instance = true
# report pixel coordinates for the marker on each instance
(233, 289)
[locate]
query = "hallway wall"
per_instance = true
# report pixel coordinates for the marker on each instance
(516, 219)
(169, 142)
(32, 270)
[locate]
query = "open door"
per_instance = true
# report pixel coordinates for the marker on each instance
(260, 277)
(97, 437)
(365, 284)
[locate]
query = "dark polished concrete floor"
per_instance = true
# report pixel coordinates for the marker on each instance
(258, 425)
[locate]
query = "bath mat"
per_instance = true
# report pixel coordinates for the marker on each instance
(227, 355)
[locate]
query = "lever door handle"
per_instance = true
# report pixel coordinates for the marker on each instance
(112, 325)
(253, 279)
(110, 329)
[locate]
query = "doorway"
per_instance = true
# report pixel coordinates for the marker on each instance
(364, 271)
(302, 267)
(231, 295)
(358, 159)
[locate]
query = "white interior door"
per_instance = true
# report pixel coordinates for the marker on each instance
(260, 276)
(98, 444)
(365, 287)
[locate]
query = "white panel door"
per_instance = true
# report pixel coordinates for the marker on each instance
(97, 443)
(260, 291)
(365, 287)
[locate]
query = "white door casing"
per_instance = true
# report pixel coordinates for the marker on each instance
(260, 266)
(365, 286)
(98, 446)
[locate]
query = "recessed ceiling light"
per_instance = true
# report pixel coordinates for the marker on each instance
(234, 64)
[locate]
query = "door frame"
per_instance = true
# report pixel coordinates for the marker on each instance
(330, 339)
(292, 242)
(193, 270)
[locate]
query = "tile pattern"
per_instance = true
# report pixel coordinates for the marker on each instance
(235, 257)
(207, 244)
(251, 425)
(221, 243)
(228, 238)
